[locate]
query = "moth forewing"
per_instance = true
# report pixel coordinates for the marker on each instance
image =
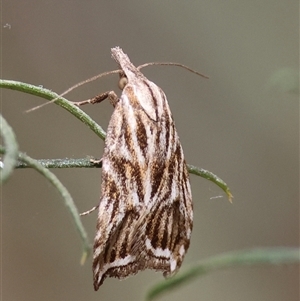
(145, 213)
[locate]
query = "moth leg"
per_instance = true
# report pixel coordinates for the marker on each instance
(96, 162)
(113, 98)
(96, 99)
(111, 95)
(89, 211)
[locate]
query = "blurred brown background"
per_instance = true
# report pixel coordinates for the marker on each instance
(242, 124)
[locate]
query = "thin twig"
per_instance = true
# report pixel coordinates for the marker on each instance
(260, 256)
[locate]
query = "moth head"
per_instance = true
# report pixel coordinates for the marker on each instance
(123, 81)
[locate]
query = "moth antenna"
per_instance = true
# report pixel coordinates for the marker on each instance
(173, 64)
(74, 87)
(88, 81)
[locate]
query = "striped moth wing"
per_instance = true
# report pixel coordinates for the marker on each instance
(145, 213)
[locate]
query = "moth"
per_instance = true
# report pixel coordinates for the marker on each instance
(145, 215)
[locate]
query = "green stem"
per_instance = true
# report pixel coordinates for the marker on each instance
(261, 256)
(30, 162)
(64, 103)
(11, 155)
(86, 163)
(211, 177)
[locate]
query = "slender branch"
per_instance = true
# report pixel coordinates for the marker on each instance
(11, 156)
(87, 163)
(30, 162)
(261, 256)
(62, 163)
(211, 177)
(64, 103)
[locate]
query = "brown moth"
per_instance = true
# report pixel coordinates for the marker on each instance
(145, 213)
